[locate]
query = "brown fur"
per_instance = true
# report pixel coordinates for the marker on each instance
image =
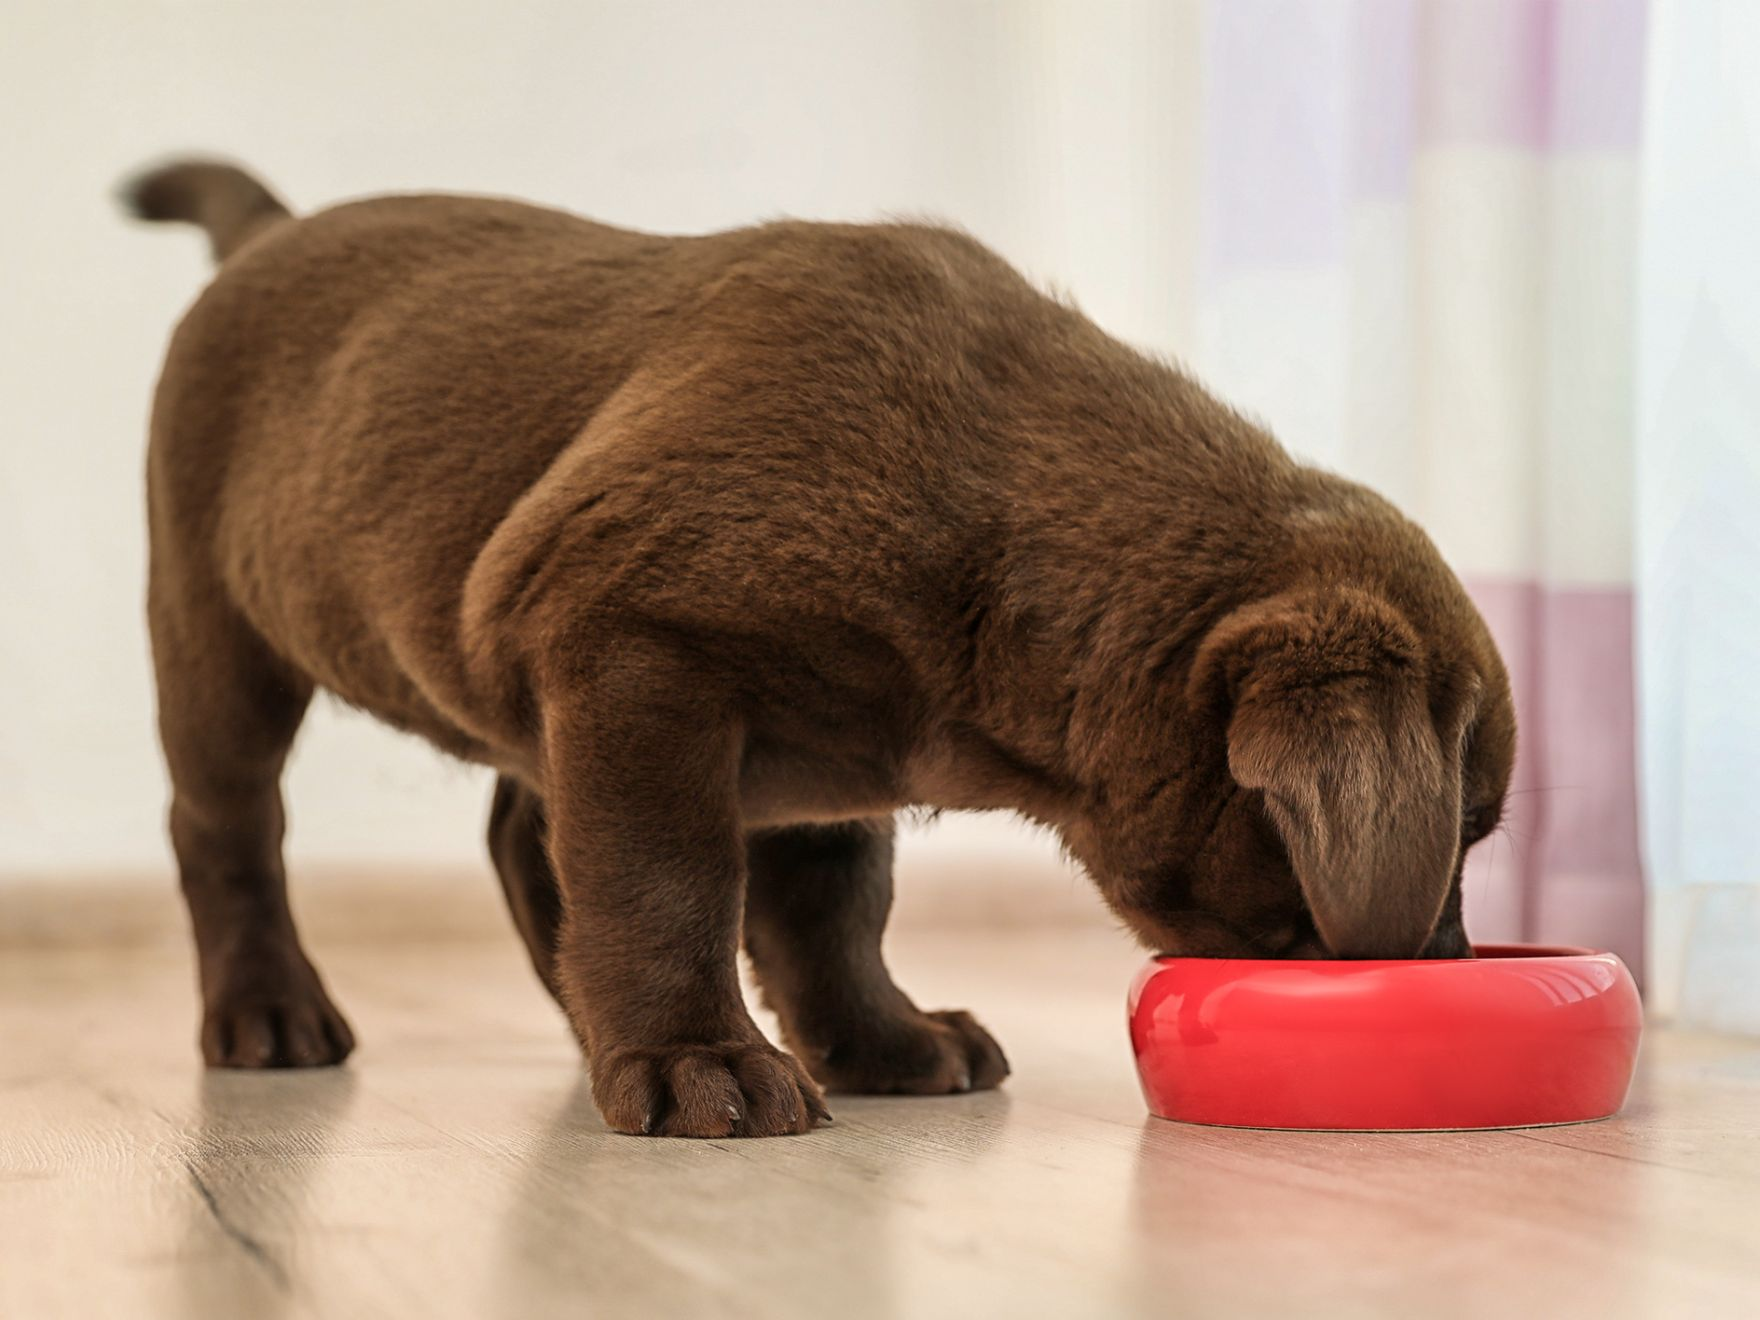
(722, 550)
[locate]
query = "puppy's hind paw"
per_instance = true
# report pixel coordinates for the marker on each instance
(927, 1054)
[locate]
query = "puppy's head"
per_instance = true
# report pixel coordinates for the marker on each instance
(1310, 789)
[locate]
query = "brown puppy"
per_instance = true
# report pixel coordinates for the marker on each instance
(721, 550)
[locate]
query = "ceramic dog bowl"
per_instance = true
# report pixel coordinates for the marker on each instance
(1520, 1036)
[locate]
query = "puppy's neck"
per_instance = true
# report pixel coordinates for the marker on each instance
(1115, 556)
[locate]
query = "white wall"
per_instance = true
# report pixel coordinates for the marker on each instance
(1051, 131)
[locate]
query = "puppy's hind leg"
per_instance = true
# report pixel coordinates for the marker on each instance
(228, 712)
(817, 899)
(516, 843)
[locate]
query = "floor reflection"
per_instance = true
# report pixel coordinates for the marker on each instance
(1408, 1220)
(256, 1140)
(693, 1227)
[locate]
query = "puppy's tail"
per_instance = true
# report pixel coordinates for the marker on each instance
(224, 200)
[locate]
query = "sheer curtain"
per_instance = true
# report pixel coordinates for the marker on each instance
(1699, 510)
(1418, 265)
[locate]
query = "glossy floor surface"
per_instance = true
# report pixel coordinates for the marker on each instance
(456, 1168)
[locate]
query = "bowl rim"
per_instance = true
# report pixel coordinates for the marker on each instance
(1489, 954)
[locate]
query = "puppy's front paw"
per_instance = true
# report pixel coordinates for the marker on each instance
(926, 1054)
(273, 1015)
(735, 1089)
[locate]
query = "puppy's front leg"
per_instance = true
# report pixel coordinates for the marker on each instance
(641, 765)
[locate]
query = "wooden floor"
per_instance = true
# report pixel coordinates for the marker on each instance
(456, 1168)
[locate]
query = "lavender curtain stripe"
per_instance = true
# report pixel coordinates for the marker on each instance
(1567, 866)
(1309, 106)
(1275, 134)
(1598, 90)
(1383, 97)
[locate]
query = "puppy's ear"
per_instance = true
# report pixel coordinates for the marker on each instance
(1323, 698)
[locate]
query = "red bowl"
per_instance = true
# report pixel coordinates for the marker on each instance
(1520, 1036)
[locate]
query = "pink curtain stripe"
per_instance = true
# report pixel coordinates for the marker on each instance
(1558, 75)
(1487, 72)
(1567, 867)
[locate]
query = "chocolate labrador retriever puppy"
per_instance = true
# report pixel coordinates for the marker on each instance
(722, 550)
